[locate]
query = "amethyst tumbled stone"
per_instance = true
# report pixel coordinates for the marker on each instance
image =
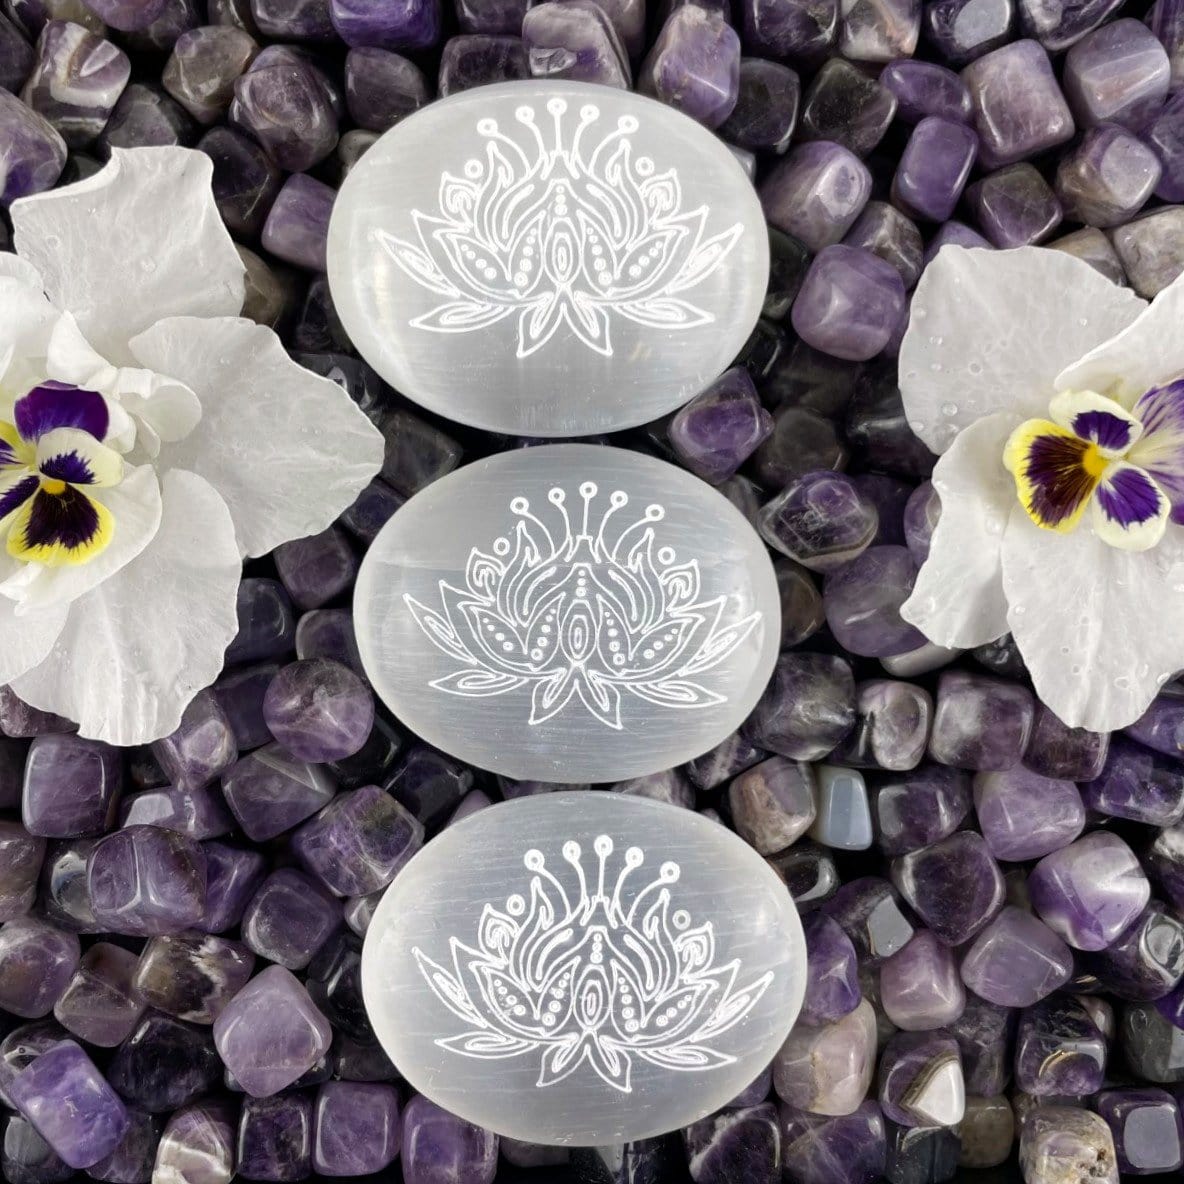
(766, 110)
(164, 1064)
(271, 1033)
(145, 880)
(919, 985)
(1015, 207)
(816, 193)
(37, 961)
(275, 1137)
(232, 878)
(21, 856)
(382, 87)
(316, 569)
(1016, 960)
(924, 89)
(192, 977)
(1089, 891)
(980, 723)
(850, 302)
(73, 1109)
(808, 707)
(32, 153)
(1147, 1129)
(863, 599)
(1056, 750)
(920, 1080)
(203, 67)
(386, 24)
(289, 918)
(70, 786)
(358, 842)
(319, 710)
(847, 1149)
(270, 790)
(773, 803)
(719, 429)
(266, 622)
(356, 1128)
(1107, 178)
(832, 978)
(297, 226)
(1059, 1051)
(1024, 816)
(439, 1145)
(575, 39)
(827, 1068)
(820, 519)
(1117, 74)
(1146, 960)
(871, 915)
(954, 886)
(741, 1143)
(934, 168)
(197, 1145)
(694, 65)
(100, 1004)
(201, 748)
(1138, 784)
(919, 808)
(845, 105)
(1066, 1143)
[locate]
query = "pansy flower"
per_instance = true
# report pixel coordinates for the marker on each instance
(1056, 401)
(150, 440)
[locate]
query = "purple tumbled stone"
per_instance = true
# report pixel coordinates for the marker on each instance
(164, 1064)
(201, 748)
(1151, 248)
(197, 1145)
(847, 1149)
(924, 89)
(576, 40)
(772, 804)
(198, 813)
(801, 441)
(718, 430)
(76, 81)
(694, 65)
(240, 695)
(1093, 247)
(956, 234)
(730, 757)
(934, 168)
(863, 600)
(417, 453)
(297, 226)
(100, 1004)
(202, 69)
(16, 56)
(358, 842)
(275, 1137)
(132, 1160)
(144, 880)
(808, 707)
(922, 513)
(1059, 1051)
(1164, 134)
(891, 726)
(1089, 891)
(801, 30)
(962, 30)
(21, 1047)
(71, 786)
(1023, 815)
(192, 977)
(73, 1109)
(491, 16)
(919, 985)
(177, 17)
(1056, 750)
(37, 962)
(1106, 178)
(1138, 784)
(1117, 74)
(878, 30)
(1019, 110)
(832, 979)
(356, 1128)
(1016, 960)
(430, 784)
(766, 111)
(21, 856)
(145, 117)
(319, 710)
(438, 1145)
(820, 519)
(847, 106)
(871, 915)
(850, 302)
(233, 876)
(1057, 25)
(284, 106)
(129, 16)
(919, 808)
(293, 20)
(826, 1068)
(271, 790)
(387, 24)
(954, 885)
(329, 633)
(980, 723)
(1161, 726)
(64, 898)
(266, 623)
(735, 1143)
(270, 1033)
(245, 184)
(479, 59)
(920, 1080)
(816, 193)
(1146, 961)
(1014, 207)
(316, 569)
(1147, 1129)
(1066, 1143)
(289, 918)
(382, 87)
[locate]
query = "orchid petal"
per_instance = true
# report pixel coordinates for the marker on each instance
(990, 331)
(26, 322)
(26, 638)
(162, 251)
(958, 598)
(157, 630)
(287, 450)
(13, 267)
(1100, 628)
(1145, 353)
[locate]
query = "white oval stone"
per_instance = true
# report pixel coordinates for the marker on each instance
(587, 968)
(548, 258)
(569, 613)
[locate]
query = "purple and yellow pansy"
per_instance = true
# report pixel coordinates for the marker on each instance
(51, 456)
(1126, 467)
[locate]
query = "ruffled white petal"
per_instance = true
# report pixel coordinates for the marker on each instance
(136, 650)
(13, 267)
(135, 505)
(26, 639)
(1146, 353)
(138, 241)
(958, 598)
(286, 449)
(1100, 628)
(26, 322)
(162, 408)
(991, 330)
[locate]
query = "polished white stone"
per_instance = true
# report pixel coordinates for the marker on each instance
(587, 968)
(548, 258)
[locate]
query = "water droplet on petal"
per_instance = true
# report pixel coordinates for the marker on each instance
(949, 409)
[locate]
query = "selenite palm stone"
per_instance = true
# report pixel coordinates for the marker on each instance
(588, 968)
(548, 258)
(569, 613)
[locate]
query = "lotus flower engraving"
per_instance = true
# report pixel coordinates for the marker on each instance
(560, 227)
(585, 611)
(588, 972)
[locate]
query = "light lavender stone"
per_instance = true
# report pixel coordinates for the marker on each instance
(827, 1070)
